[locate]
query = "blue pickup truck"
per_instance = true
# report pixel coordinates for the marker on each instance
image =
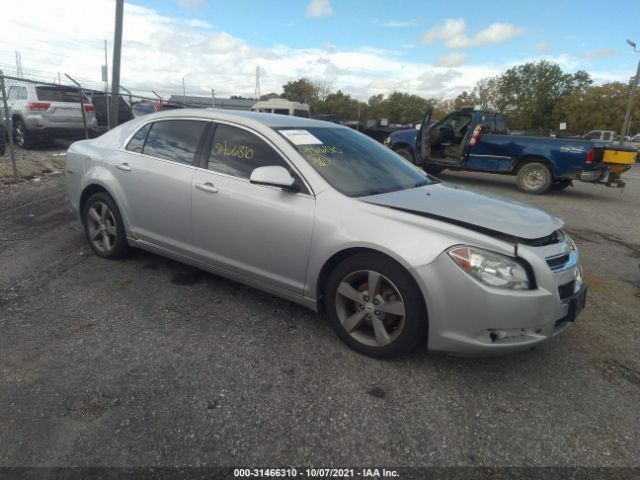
(476, 140)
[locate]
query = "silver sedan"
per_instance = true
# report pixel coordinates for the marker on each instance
(324, 216)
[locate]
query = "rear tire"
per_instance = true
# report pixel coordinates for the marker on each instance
(104, 228)
(375, 306)
(535, 178)
(21, 135)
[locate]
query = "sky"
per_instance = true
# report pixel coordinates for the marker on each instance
(363, 47)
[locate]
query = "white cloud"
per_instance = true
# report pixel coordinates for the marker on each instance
(196, 23)
(398, 23)
(452, 60)
(452, 33)
(543, 47)
(600, 53)
(319, 8)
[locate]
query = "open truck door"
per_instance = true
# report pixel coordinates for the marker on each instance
(423, 146)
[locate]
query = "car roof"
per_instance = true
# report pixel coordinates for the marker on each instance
(269, 119)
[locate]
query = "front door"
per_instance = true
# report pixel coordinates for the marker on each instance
(258, 231)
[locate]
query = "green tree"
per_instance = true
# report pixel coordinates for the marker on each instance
(597, 108)
(305, 90)
(527, 94)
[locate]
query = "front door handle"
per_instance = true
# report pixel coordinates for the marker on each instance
(207, 187)
(124, 167)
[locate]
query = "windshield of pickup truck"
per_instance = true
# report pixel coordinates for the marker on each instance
(352, 163)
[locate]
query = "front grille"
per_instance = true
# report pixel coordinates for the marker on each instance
(557, 262)
(566, 290)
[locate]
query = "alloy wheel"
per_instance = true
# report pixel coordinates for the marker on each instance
(370, 308)
(101, 226)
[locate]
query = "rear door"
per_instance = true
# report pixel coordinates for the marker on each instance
(257, 231)
(155, 174)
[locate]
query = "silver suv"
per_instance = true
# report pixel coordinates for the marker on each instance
(43, 112)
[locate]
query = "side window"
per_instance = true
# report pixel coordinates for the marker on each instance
(606, 136)
(175, 140)
(13, 93)
(136, 144)
(501, 128)
(281, 111)
(23, 93)
(488, 124)
(237, 152)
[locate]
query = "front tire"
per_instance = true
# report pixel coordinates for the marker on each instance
(535, 178)
(104, 228)
(375, 306)
(406, 154)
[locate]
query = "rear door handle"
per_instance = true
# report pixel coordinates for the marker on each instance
(207, 187)
(124, 167)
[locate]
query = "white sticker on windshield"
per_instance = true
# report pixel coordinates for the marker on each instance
(301, 137)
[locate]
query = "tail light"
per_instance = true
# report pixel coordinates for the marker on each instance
(475, 136)
(38, 106)
(89, 108)
(589, 158)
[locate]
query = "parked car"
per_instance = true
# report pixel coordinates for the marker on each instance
(324, 216)
(145, 107)
(477, 140)
(41, 113)
(100, 101)
(601, 135)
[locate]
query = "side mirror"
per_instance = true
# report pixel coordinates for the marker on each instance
(275, 176)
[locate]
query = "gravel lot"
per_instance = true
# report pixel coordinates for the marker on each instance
(148, 362)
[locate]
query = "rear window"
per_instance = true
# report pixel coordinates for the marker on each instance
(58, 94)
(300, 113)
(175, 140)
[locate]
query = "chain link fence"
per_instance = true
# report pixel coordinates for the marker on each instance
(39, 120)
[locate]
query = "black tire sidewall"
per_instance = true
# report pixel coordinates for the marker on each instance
(415, 328)
(406, 154)
(530, 166)
(121, 247)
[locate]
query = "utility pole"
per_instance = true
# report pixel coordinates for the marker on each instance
(184, 93)
(213, 98)
(18, 64)
(632, 94)
(115, 79)
(106, 85)
(256, 93)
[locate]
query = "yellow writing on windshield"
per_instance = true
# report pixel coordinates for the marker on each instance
(236, 151)
(319, 149)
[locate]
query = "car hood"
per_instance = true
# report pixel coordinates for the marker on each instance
(492, 215)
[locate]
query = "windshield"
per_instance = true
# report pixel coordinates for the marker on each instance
(352, 163)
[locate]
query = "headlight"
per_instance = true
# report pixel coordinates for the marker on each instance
(490, 268)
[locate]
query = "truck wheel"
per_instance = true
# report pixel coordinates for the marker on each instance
(406, 154)
(433, 170)
(535, 178)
